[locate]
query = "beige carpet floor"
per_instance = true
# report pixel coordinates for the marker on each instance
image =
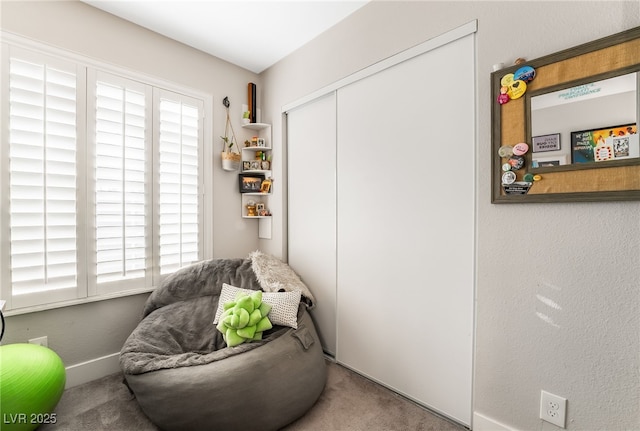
(349, 402)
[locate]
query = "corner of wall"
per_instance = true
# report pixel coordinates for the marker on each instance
(94, 369)
(483, 423)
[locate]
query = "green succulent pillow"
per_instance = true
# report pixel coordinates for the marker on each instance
(244, 319)
(284, 305)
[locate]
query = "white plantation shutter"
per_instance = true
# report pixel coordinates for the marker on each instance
(179, 151)
(121, 181)
(101, 178)
(43, 183)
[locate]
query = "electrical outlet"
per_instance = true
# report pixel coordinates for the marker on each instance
(40, 341)
(553, 409)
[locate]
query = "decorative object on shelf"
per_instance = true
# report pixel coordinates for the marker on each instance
(251, 209)
(246, 118)
(250, 183)
(251, 96)
(265, 187)
(230, 160)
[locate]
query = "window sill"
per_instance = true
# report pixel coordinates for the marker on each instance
(62, 304)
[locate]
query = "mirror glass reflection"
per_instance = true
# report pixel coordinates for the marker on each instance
(591, 123)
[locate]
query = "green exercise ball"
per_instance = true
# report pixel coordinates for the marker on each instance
(32, 380)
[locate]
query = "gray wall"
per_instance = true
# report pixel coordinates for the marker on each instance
(84, 332)
(585, 257)
(81, 332)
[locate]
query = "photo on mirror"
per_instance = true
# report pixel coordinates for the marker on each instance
(607, 143)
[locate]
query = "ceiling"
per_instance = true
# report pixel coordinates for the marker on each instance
(253, 34)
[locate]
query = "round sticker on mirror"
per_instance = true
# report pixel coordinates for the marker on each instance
(505, 151)
(516, 162)
(525, 73)
(507, 80)
(517, 89)
(520, 149)
(508, 177)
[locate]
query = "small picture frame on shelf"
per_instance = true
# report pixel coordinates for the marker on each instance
(246, 165)
(261, 142)
(255, 165)
(265, 187)
(260, 207)
(265, 165)
(250, 183)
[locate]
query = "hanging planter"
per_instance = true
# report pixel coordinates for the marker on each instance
(230, 159)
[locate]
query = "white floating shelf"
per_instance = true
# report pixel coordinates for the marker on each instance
(256, 126)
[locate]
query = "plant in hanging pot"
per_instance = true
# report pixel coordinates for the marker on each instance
(230, 159)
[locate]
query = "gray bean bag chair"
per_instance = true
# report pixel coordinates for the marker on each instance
(186, 378)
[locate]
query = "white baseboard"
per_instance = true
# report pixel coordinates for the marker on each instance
(483, 423)
(91, 370)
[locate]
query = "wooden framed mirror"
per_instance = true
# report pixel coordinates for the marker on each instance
(579, 119)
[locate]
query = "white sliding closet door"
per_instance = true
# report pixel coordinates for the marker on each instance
(405, 227)
(311, 155)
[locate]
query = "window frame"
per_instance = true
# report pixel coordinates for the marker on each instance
(87, 290)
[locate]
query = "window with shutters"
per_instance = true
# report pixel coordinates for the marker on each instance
(101, 184)
(178, 167)
(119, 165)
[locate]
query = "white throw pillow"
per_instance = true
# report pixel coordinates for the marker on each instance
(284, 305)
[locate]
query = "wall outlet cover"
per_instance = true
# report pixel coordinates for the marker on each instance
(553, 409)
